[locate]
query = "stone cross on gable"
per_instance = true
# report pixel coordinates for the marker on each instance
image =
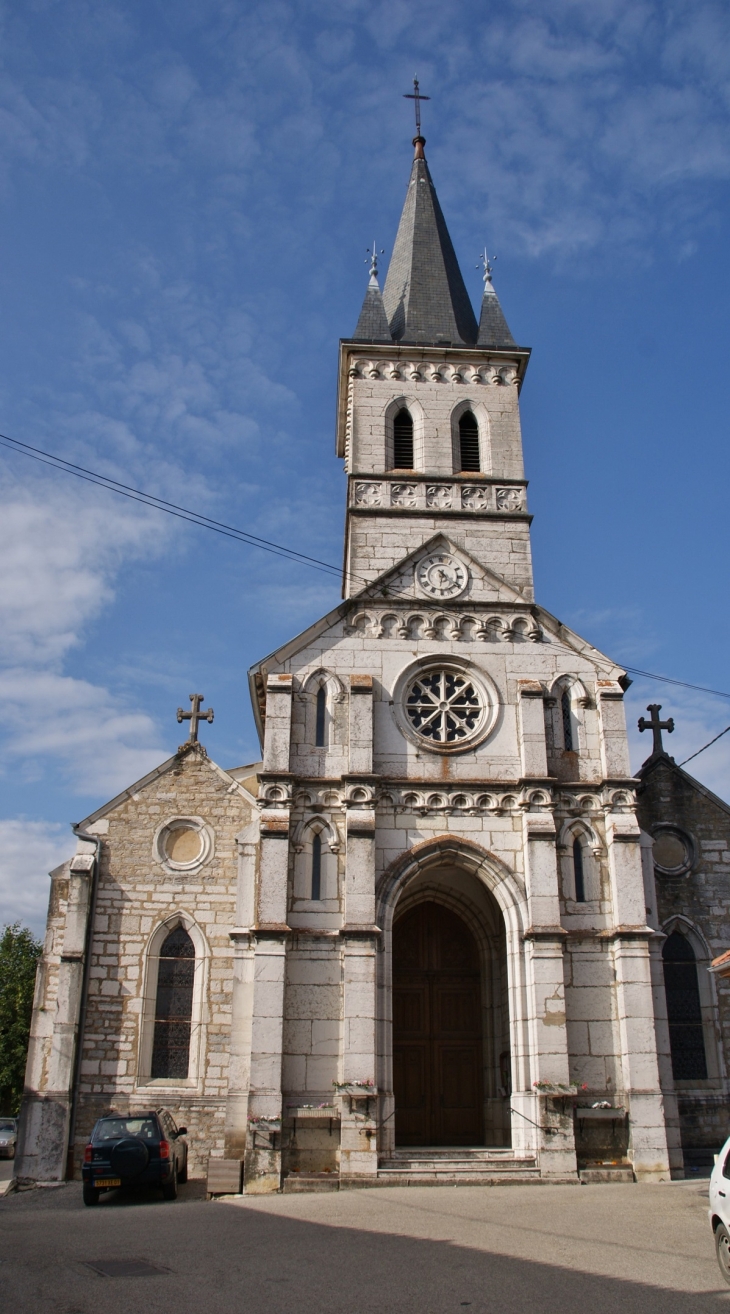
(194, 716)
(656, 726)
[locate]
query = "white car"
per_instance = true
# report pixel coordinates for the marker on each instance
(8, 1137)
(719, 1211)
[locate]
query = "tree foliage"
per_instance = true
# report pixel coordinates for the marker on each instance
(19, 954)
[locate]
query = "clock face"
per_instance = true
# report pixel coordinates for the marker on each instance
(441, 575)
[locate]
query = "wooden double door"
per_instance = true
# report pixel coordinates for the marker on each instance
(437, 1029)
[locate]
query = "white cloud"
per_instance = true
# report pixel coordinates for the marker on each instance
(29, 850)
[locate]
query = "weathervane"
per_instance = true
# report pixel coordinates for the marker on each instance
(488, 263)
(372, 259)
(416, 95)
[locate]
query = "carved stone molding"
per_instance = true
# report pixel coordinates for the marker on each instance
(424, 495)
(490, 374)
(427, 623)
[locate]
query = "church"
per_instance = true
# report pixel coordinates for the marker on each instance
(424, 939)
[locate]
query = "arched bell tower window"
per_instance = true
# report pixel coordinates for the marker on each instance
(579, 872)
(321, 718)
(403, 440)
(567, 719)
(468, 442)
(173, 1006)
(684, 1009)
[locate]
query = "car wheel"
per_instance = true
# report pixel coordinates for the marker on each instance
(722, 1248)
(91, 1195)
(169, 1190)
(182, 1176)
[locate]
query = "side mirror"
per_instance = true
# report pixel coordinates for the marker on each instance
(182, 1131)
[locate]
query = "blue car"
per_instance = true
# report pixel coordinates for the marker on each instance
(144, 1150)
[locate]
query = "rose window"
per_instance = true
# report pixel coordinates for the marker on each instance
(445, 706)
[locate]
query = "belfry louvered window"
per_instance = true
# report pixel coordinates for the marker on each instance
(468, 442)
(403, 441)
(684, 1010)
(174, 1006)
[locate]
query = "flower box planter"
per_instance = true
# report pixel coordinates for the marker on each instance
(553, 1091)
(307, 1113)
(356, 1091)
(601, 1115)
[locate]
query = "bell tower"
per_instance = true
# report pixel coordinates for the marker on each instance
(428, 409)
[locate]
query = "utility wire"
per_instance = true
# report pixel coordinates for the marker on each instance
(704, 746)
(253, 540)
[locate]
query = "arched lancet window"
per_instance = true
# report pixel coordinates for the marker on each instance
(317, 866)
(403, 441)
(567, 719)
(684, 1010)
(321, 719)
(173, 1006)
(578, 872)
(468, 442)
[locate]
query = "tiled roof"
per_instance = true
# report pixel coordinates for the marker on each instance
(493, 328)
(424, 296)
(372, 325)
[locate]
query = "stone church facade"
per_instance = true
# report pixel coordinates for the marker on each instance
(424, 928)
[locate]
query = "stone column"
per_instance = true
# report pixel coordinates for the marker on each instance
(45, 1116)
(634, 999)
(242, 938)
(545, 978)
(262, 1164)
(358, 1132)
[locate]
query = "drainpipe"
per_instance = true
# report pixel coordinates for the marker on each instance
(96, 841)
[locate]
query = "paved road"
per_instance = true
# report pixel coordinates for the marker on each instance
(438, 1250)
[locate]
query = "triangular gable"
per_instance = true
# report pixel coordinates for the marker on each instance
(154, 775)
(399, 581)
(663, 759)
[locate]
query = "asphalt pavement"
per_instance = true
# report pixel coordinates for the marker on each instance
(415, 1250)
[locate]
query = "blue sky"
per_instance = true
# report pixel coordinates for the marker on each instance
(186, 195)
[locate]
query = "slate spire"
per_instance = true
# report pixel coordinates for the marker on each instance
(372, 325)
(425, 298)
(493, 327)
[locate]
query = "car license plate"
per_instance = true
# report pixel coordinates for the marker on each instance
(108, 1181)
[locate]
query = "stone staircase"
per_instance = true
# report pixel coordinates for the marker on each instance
(456, 1166)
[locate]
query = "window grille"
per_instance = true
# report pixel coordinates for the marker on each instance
(578, 872)
(684, 1010)
(444, 706)
(317, 867)
(468, 442)
(173, 1006)
(403, 441)
(567, 722)
(321, 713)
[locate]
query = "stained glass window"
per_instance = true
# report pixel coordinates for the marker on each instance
(684, 1010)
(321, 713)
(580, 884)
(174, 1006)
(468, 442)
(317, 867)
(567, 722)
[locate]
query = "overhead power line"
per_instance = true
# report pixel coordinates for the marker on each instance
(704, 746)
(253, 540)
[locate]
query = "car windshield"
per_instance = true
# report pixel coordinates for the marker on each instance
(7, 1125)
(113, 1129)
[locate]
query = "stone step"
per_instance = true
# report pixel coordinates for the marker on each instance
(607, 1173)
(462, 1179)
(294, 1182)
(454, 1163)
(477, 1152)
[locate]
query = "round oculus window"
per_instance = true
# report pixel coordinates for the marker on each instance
(183, 844)
(672, 852)
(446, 707)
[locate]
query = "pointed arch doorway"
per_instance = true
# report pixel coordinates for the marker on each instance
(437, 1029)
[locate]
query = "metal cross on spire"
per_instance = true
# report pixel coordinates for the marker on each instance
(418, 97)
(372, 259)
(656, 726)
(194, 716)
